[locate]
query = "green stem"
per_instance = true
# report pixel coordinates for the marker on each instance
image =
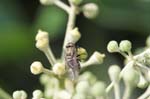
(127, 93)
(4, 95)
(117, 90)
(61, 5)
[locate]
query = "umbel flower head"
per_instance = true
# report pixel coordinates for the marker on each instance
(59, 67)
(58, 80)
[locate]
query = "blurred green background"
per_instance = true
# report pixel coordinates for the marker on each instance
(20, 20)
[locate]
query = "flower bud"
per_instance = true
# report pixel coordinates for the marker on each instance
(37, 94)
(112, 46)
(41, 35)
(44, 79)
(114, 72)
(74, 35)
(142, 82)
(125, 46)
(19, 94)
(42, 40)
(98, 89)
(90, 10)
(47, 2)
(130, 76)
(96, 58)
(88, 76)
(59, 69)
(64, 94)
(82, 87)
(36, 68)
(79, 96)
(49, 93)
(82, 53)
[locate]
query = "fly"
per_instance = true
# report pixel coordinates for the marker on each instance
(71, 59)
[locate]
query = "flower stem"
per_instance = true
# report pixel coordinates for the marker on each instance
(127, 93)
(4, 95)
(63, 6)
(117, 90)
(50, 56)
(70, 24)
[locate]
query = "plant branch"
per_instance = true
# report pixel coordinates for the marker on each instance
(70, 24)
(62, 5)
(117, 90)
(127, 93)
(50, 56)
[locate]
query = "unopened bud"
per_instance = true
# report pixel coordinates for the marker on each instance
(130, 76)
(96, 58)
(42, 40)
(83, 87)
(90, 10)
(36, 68)
(82, 53)
(59, 69)
(19, 95)
(37, 94)
(142, 82)
(98, 89)
(112, 46)
(114, 72)
(64, 94)
(125, 46)
(74, 35)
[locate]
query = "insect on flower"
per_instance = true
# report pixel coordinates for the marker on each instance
(73, 56)
(71, 59)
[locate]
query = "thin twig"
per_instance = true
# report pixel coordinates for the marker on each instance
(62, 5)
(4, 95)
(127, 93)
(117, 90)
(70, 25)
(50, 56)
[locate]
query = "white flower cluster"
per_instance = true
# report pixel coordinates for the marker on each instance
(87, 87)
(59, 81)
(136, 72)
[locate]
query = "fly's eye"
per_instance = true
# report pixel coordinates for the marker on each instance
(68, 46)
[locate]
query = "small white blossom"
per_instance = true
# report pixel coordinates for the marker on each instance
(37, 94)
(114, 72)
(82, 87)
(19, 94)
(142, 82)
(36, 68)
(90, 10)
(73, 36)
(42, 40)
(125, 46)
(112, 46)
(98, 89)
(59, 68)
(96, 58)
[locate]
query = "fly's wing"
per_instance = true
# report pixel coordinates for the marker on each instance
(75, 67)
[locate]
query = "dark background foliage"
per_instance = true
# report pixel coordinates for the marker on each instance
(20, 20)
